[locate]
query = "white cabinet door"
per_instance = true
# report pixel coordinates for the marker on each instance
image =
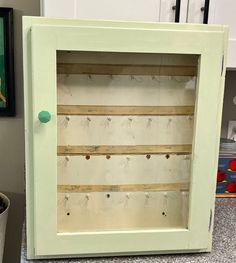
(198, 11)
(173, 10)
(57, 8)
(129, 10)
(223, 12)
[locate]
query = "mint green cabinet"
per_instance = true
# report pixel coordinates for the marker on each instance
(122, 126)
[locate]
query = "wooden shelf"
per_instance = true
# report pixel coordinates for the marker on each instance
(124, 149)
(123, 188)
(124, 69)
(226, 195)
(124, 110)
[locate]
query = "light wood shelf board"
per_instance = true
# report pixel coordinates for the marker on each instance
(123, 188)
(125, 110)
(123, 149)
(125, 69)
(226, 195)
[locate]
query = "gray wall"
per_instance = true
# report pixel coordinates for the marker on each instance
(229, 109)
(12, 139)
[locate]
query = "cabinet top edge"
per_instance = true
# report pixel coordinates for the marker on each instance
(28, 21)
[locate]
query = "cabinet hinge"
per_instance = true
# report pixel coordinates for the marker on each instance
(210, 221)
(24, 173)
(222, 66)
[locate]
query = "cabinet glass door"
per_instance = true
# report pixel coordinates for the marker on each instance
(124, 136)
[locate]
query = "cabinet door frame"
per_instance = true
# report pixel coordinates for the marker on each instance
(42, 38)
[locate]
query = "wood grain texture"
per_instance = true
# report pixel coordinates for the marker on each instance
(126, 69)
(124, 110)
(123, 149)
(123, 188)
(226, 195)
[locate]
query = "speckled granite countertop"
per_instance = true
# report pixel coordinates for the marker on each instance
(224, 244)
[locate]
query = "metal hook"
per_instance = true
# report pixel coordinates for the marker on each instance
(165, 204)
(169, 122)
(186, 157)
(156, 79)
(149, 122)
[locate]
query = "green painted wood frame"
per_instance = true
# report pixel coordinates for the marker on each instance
(42, 37)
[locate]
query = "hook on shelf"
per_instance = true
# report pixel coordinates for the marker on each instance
(155, 78)
(149, 122)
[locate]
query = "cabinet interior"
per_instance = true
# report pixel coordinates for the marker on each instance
(125, 126)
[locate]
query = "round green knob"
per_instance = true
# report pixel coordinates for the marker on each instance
(44, 116)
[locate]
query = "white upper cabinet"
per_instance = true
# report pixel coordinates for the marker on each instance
(173, 10)
(198, 11)
(223, 12)
(128, 10)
